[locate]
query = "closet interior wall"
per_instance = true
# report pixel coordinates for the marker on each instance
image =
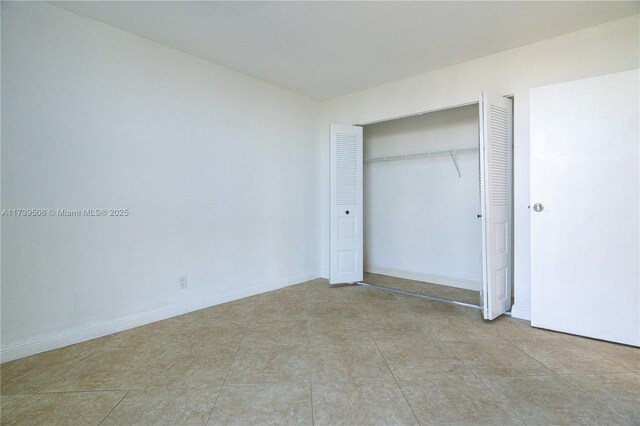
(420, 216)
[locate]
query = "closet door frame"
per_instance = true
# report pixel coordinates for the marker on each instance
(490, 311)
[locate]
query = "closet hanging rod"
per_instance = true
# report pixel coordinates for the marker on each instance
(420, 155)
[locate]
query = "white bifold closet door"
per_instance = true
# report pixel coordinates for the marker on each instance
(347, 243)
(496, 136)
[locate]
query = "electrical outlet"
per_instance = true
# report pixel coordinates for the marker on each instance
(182, 283)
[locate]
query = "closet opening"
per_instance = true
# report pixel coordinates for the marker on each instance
(422, 206)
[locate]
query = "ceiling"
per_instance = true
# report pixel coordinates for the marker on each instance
(327, 49)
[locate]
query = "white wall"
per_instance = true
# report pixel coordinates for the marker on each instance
(219, 171)
(599, 50)
(421, 218)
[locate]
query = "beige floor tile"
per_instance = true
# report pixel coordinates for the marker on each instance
(340, 309)
(295, 293)
(168, 406)
(277, 333)
(263, 404)
(550, 400)
(161, 333)
(328, 322)
(361, 294)
(421, 309)
(321, 334)
(607, 385)
(620, 392)
(343, 341)
(593, 414)
(419, 361)
(390, 309)
(196, 373)
(321, 291)
(487, 357)
(510, 328)
(626, 356)
(128, 339)
(9, 402)
(459, 401)
(75, 408)
(157, 367)
(326, 296)
(270, 364)
(34, 373)
(286, 311)
(563, 357)
(103, 370)
(361, 403)
(461, 327)
(186, 367)
(236, 311)
(403, 329)
(215, 333)
(626, 406)
(354, 362)
(628, 359)
(33, 381)
(524, 332)
(59, 359)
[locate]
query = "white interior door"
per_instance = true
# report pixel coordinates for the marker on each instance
(346, 204)
(585, 186)
(496, 136)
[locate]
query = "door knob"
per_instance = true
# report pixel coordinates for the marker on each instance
(538, 207)
(347, 212)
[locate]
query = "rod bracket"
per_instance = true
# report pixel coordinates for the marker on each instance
(455, 162)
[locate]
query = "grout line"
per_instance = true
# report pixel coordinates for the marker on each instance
(41, 390)
(391, 371)
(615, 362)
(504, 402)
(594, 398)
(553, 374)
(246, 330)
(309, 358)
(3, 414)
(532, 357)
(114, 407)
(87, 391)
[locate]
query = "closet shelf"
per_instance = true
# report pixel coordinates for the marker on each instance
(449, 152)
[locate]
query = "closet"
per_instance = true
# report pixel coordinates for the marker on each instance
(427, 197)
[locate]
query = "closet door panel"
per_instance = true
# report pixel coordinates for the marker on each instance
(496, 137)
(346, 204)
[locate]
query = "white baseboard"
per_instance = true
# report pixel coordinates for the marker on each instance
(430, 278)
(521, 312)
(68, 337)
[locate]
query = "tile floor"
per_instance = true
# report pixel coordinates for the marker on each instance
(311, 354)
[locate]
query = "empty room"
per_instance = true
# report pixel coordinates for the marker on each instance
(320, 213)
